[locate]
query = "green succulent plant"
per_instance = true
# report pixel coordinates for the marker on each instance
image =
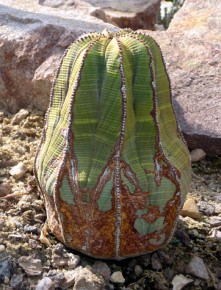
(112, 165)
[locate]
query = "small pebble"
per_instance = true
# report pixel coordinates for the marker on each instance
(45, 284)
(215, 221)
(206, 208)
(5, 189)
(197, 268)
(216, 234)
(2, 248)
(138, 270)
(32, 267)
(117, 277)
(18, 170)
(180, 281)
(16, 281)
(190, 209)
(6, 280)
(103, 269)
(69, 279)
(21, 115)
(155, 262)
(197, 155)
(73, 260)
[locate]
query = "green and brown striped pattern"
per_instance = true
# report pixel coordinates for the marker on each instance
(112, 165)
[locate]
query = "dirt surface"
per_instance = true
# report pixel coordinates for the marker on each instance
(29, 257)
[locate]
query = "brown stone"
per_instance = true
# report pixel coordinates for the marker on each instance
(140, 14)
(192, 50)
(32, 40)
(190, 209)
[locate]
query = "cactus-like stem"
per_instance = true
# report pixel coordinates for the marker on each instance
(112, 165)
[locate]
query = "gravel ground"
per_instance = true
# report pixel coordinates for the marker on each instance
(31, 258)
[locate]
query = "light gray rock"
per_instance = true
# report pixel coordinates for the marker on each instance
(69, 279)
(215, 221)
(18, 170)
(33, 39)
(45, 284)
(216, 234)
(197, 155)
(117, 277)
(180, 281)
(85, 279)
(197, 268)
(102, 269)
(32, 267)
(21, 115)
(139, 14)
(2, 248)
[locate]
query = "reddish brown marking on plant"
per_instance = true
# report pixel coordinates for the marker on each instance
(171, 213)
(152, 215)
(130, 240)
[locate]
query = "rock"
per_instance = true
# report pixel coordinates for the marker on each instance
(31, 266)
(197, 268)
(180, 281)
(5, 267)
(16, 281)
(58, 278)
(31, 229)
(164, 258)
(216, 234)
(132, 14)
(183, 236)
(117, 277)
(197, 155)
(2, 248)
(190, 209)
(138, 270)
(155, 262)
(21, 115)
(206, 208)
(18, 170)
(33, 38)
(62, 259)
(102, 269)
(45, 284)
(215, 221)
(86, 279)
(5, 189)
(192, 50)
(69, 279)
(73, 260)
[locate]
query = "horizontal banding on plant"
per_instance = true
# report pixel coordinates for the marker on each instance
(112, 164)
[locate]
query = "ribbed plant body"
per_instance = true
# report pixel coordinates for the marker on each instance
(112, 165)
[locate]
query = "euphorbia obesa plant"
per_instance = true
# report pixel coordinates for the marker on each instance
(112, 165)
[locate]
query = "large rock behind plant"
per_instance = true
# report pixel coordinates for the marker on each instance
(127, 13)
(192, 51)
(31, 45)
